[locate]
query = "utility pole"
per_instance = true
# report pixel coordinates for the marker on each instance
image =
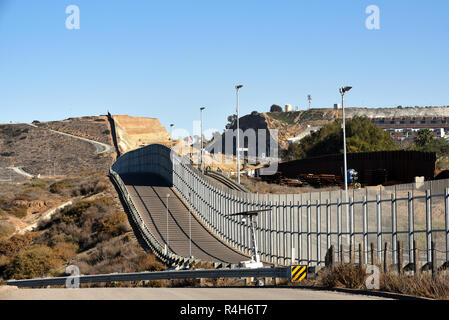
(171, 135)
(309, 97)
(342, 92)
(237, 87)
(201, 147)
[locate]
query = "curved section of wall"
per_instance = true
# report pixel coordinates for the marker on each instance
(154, 158)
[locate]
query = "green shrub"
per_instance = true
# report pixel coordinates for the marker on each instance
(57, 187)
(37, 184)
(113, 224)
(361, 136)
(73, 213)
(16, 243)
(65, 250)
(33, 262)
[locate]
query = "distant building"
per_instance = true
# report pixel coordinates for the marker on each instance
(404, 122)
(405, 128)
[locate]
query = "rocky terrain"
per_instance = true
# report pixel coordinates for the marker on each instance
(134, 132)
(39, 151)
(94, 128)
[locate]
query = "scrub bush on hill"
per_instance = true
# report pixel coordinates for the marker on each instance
(361, 136)
(6, 229)
(59, 186)
(85, 223)
(32, 262)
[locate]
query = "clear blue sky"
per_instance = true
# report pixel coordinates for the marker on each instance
(165, 59)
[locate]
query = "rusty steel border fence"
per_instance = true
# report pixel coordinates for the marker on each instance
(300, 228)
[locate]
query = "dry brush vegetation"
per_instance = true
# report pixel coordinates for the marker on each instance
(40, 151)
(352, 276)
(92, 233)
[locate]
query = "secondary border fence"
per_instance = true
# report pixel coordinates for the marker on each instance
(300, 228)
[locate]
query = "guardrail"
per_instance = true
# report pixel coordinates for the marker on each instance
(278, 272)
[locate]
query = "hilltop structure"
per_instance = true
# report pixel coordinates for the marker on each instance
(401, 122)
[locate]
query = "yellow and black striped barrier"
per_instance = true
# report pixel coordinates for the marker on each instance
(298, 273)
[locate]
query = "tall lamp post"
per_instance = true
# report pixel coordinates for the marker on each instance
(201, 147)
(237, 87)
(342, 92)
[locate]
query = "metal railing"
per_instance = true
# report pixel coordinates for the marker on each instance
(301, 227)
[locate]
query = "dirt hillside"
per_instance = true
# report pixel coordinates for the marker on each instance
(134, 132)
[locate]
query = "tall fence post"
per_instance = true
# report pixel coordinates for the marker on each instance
(291, 228)
(351, 218)
(394, 235)
(428, 227)
(299, 231)
(318, 232)
(446, 216)
(272, 216)
(278, 233)
(328, 225)
(410, 226)
(365, 230)
(308, 233)
(339, 235)
(373, 256)
(342, 256)
(386, 257)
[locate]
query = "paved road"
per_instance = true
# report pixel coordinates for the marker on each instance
(12, 293)
(149, 195)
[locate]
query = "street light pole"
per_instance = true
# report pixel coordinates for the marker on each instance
(171, 135)
(201, 147)
(237, 87)
(342, 92)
